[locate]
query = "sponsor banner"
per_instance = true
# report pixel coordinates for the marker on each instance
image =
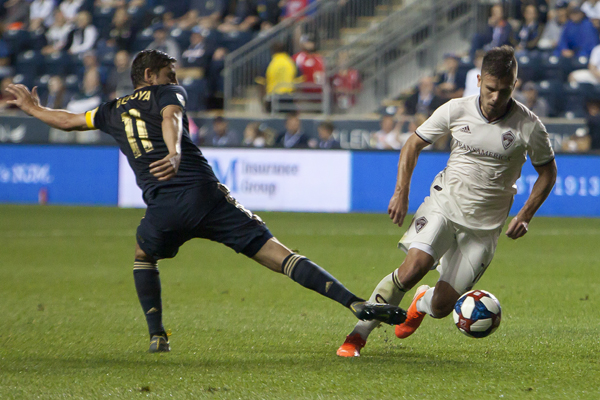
(273, 180)
(58, 174)
(576, 193)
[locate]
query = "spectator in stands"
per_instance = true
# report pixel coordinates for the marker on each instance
(119, 83)
(58, 34)
(345, 83)
(530, 32)
(268, 11)
(591, 8)
(254, 136)
(528, 95)
(593, 124)
(110, 3)
(164, 43)
(215, 78)
(326, 139)
(70, 8)
(121, 30)
(424, 100)
(280, 76)
(41, 11)
(554, 27)
(471, 80)
(220, 135)
(189, 20)
(5, 97)
(310, 65)
(541, 7)
(387, 137)
(195, 59)
(292, 7)
(17, 14)
(578, 37)
(57, 96)
(83, 38)
(91, 64)
(450, 81)
(497, 34)
(5, 52)
(293, 137)
(244, 17)
(90, 95)
(592, 73)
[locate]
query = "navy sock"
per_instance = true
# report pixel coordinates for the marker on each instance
(147, 285)
(311, 276)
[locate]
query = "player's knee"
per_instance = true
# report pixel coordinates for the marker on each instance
(141, 256)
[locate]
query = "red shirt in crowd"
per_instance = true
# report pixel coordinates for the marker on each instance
(344, 85)
(312, 68)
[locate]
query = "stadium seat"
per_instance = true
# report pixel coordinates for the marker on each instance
(72, 83)
(234, 40)
(552, 68)
(551, 90)
(464, 66)
(143, 40)
(530, 67)
(15, 39)
(575, 63)
(102, 19)
(23, 80)
(182, 37)
(574, 98)
(36, 40)
(56, 63)
(197, 90)
(42, 84)
(29, 64)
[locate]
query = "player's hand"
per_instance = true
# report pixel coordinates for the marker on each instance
(166, 168)
(25, 100)
(398, 208)
(517, 228)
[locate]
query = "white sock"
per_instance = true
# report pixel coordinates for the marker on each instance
(386, 292)
(424, 303)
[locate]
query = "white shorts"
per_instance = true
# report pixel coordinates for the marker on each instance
(463, 254)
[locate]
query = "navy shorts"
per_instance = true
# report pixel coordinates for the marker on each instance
(208, 212)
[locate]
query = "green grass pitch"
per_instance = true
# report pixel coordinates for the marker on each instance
(72, 326)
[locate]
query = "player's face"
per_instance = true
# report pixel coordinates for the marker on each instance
(495, 94)
(166, 75)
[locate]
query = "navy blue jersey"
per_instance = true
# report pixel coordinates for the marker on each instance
(135, 121)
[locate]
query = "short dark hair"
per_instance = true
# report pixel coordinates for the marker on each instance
(499, 62)
(292, 114)
(153, 59)
(277, 47)
(328, 125)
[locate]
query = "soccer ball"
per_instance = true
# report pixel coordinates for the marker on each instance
(477, 313)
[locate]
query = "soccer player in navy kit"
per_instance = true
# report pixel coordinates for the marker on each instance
(184, 198)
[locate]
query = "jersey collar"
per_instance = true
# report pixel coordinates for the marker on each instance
(511, 103)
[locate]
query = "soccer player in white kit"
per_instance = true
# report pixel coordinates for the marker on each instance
(457, 226)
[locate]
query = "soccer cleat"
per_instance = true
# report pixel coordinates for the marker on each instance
(352, 346)
(382, 312)
(159, 344)
(413, 317)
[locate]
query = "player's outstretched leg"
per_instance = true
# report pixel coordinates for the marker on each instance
(147, 285)
(387, 291)
(277, 257)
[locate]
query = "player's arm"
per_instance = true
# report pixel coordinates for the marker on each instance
(29, 102)
(409, 154)
(541, 189)
(172, 129)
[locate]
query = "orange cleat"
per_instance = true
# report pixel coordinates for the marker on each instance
(413, 317)
(352, 346)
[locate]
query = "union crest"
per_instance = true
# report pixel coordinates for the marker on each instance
(507, 139)
(420, 224)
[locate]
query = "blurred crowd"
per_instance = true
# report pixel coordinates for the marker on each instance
(78, 52)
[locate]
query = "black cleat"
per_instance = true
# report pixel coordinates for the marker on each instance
(387, 313)
(159, 344)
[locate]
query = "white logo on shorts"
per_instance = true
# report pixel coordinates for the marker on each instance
(420, 224)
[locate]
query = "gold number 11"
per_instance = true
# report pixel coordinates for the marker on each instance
(142, 132)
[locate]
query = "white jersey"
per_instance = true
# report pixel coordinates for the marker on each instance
(477, 186)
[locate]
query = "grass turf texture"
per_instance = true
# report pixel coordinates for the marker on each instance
(72, 326)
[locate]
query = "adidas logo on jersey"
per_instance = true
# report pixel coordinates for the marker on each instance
(465, 129)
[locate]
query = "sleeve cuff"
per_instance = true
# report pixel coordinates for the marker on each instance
(422, 138)
(543, 163)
